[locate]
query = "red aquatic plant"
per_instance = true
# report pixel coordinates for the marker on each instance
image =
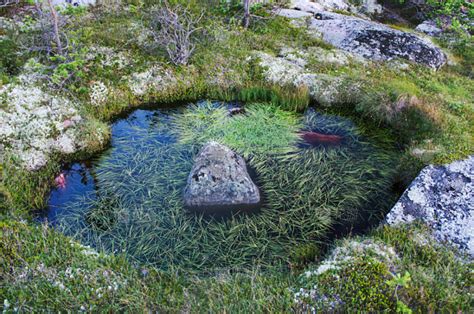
(315, 138)
(60, 181)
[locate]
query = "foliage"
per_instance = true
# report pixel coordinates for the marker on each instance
(440, 279)
(26, 189)
(9, 60)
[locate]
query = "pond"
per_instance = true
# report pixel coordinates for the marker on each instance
(317, 174)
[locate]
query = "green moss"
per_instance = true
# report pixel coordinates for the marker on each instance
(422, 275)
(27, 189)
(440, 279)
(361, 284)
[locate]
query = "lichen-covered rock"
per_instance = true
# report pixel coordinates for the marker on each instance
(35, 123)
(429, 28)
(443, 198)
(376, 41)
(154, 79)
(319, 5)
(373, 40)
(74, 3)
(326, 90)
(351, 249)
(329, 90)
(219, 182)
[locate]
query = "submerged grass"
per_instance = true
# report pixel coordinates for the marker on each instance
(138, 207)
(342, 184)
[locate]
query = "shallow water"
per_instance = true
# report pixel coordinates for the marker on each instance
(129, 199)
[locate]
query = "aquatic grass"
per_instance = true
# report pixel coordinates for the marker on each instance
(199, 123)
(138, 207)
(287, 97)
(263, 128)
(336, 185)
(314, 121)
(349, 183)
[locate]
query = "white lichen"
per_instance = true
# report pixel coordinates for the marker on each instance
(35, 123)
(155, 79)
(99, 93)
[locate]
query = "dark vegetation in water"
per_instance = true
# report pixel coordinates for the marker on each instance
(131, 201)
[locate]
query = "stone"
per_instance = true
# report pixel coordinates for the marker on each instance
(443, 198)
(319, 5)
(429, 28)
(373, 40)
(369, 7)
(294, 14)
(219, 182)
(326, 90)
(306, 6)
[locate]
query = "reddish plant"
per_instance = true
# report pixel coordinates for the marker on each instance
(315, 138)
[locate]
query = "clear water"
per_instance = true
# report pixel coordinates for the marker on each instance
(129, 199)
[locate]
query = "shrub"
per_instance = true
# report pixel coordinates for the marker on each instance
(175, 29)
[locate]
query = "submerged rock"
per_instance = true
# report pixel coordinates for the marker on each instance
(443, 198)
(219, 182)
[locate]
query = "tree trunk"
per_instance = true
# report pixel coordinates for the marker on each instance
(57, 38)
(246, 21)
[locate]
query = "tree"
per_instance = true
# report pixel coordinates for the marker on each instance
(175, 28)
(7, 3)
(55, 24)
(246, 20)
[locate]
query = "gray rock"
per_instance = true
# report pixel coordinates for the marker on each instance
(443, 198)
(429, 28)
(75, 3)
(319, 5)
(374, 40)
(369, 39)
(219, 182)
(294, 14)
(369, 7)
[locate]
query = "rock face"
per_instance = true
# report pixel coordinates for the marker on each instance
(429, 28)
(443, 198)
(326, 90)
(371, 40)
(219, 182)
(320, 5)
(376, 41)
